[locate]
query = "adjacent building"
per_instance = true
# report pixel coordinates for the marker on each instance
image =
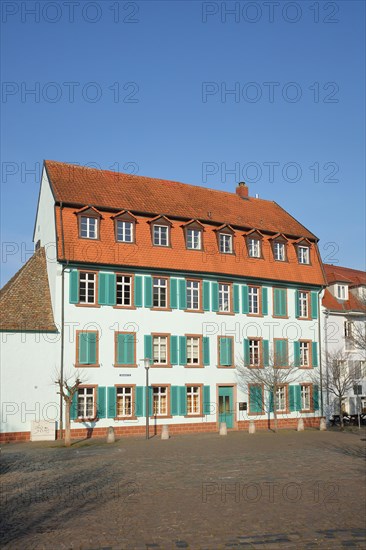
(194, 280)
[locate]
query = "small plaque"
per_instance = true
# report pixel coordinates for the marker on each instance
(242, 406)
(41, 430)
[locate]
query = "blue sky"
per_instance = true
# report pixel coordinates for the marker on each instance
(145, 87)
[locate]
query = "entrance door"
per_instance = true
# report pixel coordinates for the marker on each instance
(226, 405)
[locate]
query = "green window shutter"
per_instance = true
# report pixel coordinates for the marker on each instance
(112, 404)
(206, 400)
(206, 295)
(148, 291)
(278, 352)
(246, 352)
(265, 344)
(126, 349)
(102, 288)
(151, 401)
(112, 289)
(174, 400)
(182, 350)
(236, 298)
(120, 349)
(297, 303)
(292, 398)
(74, 406)
(276, 302)
(74, 287)
(83, 348)
(173, 293)
(316, 398)
(314, 305)
(264, 301)
(215, 296)
(283, 302)
(225, 345)
(182, 401)
(314, 354)
(297, 397)
(297, 354)
(244, 299)
(138, 290)
(206, 350)
(92, 348)
(140, 401)
(255, 399)
(102, 402)
(174, 350)
(182, 294)
(148, 351)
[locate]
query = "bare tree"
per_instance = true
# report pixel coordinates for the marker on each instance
(68, 387)
(270, 378)
(357, 327)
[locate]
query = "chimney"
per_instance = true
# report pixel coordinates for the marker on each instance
(242, 190)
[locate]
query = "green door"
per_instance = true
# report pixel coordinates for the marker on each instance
(226, 405)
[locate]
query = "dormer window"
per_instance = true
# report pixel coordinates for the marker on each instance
(225, 243)
(342, 292)
(303, 254)
(88, 222)
(254, 246)
(125, 227)
(279, 247)
(193, 231)
(160, 231)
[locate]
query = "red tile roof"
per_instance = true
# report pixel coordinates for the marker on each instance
(335, 273)
(147, 198)
(352, 304)
(25, 300)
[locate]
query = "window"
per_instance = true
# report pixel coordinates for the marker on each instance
(281, 398)
(193, 400)
(342, 292)
(160, 292)
(254, 352)
(160, 400)
(160, 350)
(279, 251)
(87, 348)
(280, 352)
(225, 243)
(304, 354)
(87, 287)
(124, 401)
(303, 304)
(305, 397)
(255, 399)
(124, 290)
(194, 239)
(226, 351)
(193, 350)
(88, 227)
(303, 254)
(160, 235)
(279, 302)
(356, 369)
(193, 295)
(224, 297)
(125, 349)
(253, 295)
(254, 247)
(86, 403)
(124, 231)
(348, 329)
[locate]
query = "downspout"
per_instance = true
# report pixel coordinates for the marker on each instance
(62, 319)
(320, 351)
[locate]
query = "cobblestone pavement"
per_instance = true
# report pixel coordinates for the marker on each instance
(285, 490)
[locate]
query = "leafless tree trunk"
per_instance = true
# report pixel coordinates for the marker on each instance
(67, 389)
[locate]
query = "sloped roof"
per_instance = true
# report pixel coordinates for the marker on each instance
(336, 274)
(78, 185)
(352, 304)
(25, 300)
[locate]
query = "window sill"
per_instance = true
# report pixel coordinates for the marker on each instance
(225, 366)
(117, 366)
(116, 418)
(193, 366)
(194, 415)
(124, 307)
(80, 420)
(160, 309)
(255, 315)
(225, 313)
(157, 416)
(87, 305)
(281, 316)
(85, 366)
(159, 366)
(193, 311)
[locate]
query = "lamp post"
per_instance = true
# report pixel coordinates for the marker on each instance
(147, 366)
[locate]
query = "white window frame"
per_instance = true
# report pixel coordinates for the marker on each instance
(342, 293)
(160, 292)
(280, 399)
(194, 239)
(303, 304)
(122, 284)
(254, 246)
(159, 343)
(279, 251)
(193, 350)
(305, 397)
(304, 354)
(160, 235)
(87, 280)
(224, 298)
(193, 400)
(124, 395)
(225, 243)
(160, 400)
(86, 402)
(88, 226)
(303, 254)
(122, 233)
(193, 295)
(254, 352)
(253, 300)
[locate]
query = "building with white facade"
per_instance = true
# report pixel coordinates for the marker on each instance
(193, 279)
(344, 318)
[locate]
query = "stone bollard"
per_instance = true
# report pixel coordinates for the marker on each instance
(111, 438)
(300, 425)
(165, 432)
(251, 427)
(223, 428)
(323, 425)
